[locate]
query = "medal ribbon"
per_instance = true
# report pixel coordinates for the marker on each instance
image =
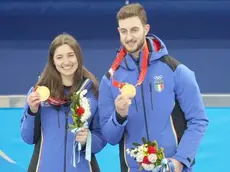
(120, 57)
(56, 102)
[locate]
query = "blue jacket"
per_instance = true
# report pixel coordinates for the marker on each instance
(48, 130)
(167, 108)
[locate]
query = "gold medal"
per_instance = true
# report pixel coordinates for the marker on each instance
(128, 90)
(44, 92)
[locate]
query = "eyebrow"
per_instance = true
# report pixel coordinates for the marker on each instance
(131, 28)
(58, 55)
(68, 54)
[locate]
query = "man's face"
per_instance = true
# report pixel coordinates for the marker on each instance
(132, 34)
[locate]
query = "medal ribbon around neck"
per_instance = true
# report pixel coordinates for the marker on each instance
(118, 60)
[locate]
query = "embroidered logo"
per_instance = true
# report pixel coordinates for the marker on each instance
(158, 83)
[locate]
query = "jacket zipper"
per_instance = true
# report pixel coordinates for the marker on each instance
(58, 108)
(144, 108)
(65, 138)
(150, 89)
(136, 103)
(58, 119)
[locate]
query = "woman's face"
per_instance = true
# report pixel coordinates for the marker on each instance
(65, 61)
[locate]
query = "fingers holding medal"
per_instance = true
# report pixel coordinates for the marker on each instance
(123, 101)
(40, 93)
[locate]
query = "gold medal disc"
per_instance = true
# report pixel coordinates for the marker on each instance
(44, 92)
(128, 90)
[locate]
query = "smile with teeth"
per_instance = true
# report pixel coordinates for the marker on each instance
(67, 67)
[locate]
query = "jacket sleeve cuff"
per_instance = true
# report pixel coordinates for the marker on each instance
(185, 161)
(118, 120)
(31, 113)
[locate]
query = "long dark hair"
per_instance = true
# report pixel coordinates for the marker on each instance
(51, 78)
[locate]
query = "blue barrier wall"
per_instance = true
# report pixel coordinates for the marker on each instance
(212, 155)
(195, 32)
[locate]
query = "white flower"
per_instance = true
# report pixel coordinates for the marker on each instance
(83, 92)
(148, 167)
(85, 103)
(140, 148)
(128, 151)
(83, 119)
(132, 152)
(139, 157)
(152, 158)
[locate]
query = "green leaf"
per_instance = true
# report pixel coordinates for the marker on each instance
(136, 144)
(72, 126)
(79, 123)
(144, 140)
(152, 144)
(161, 153)
(140, 168)
(77, 96)
(74, 119)
(158, 162)
(72, 110)
(156, 145)
(149, 143)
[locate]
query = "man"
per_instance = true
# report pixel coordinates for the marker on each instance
(147, 93)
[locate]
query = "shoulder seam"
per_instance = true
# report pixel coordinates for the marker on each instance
(170, 61)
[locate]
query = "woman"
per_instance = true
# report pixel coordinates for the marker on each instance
(45, 124)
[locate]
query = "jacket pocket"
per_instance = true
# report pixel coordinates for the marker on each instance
(151, 94)
(135, 102)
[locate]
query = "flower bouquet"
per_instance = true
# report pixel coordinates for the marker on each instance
(80, 108)
(148, 156)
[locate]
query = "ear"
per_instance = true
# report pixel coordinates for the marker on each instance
(118, 29)
(147, 28)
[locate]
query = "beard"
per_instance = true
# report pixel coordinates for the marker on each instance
(135, 47)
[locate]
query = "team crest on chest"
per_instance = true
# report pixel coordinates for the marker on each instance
(158, 83)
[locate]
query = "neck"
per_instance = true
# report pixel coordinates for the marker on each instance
(136, 54)
(67, 81)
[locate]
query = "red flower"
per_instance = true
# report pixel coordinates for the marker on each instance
(80, 111)
(152, 150)
(146, 160)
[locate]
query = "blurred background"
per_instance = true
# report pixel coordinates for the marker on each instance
(196, 32)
